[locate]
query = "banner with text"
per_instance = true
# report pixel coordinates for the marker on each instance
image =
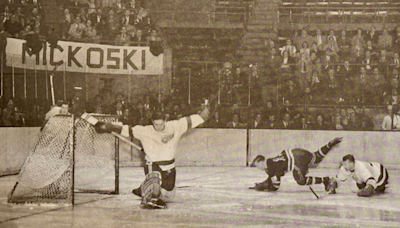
(85, 57)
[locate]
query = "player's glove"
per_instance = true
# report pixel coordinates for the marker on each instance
(330, 185)
(107, 127)
(367, 191)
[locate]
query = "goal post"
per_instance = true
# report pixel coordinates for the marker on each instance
(69, 157)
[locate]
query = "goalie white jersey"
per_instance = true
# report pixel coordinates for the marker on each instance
(372, 173)
(161, 145)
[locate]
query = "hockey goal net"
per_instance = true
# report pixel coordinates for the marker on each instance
(70, 156)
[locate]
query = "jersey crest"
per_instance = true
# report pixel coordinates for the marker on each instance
(167, 138)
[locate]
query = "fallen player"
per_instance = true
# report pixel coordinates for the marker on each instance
(297, 160)
(371, 177)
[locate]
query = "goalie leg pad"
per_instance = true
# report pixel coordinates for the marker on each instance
(151, 187)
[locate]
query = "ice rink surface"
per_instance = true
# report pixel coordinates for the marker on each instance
(214, 197)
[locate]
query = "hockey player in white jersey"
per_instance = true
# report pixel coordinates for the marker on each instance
(371, 177)
(160, 141)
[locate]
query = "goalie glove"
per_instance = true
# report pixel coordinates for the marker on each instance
(107, 127)
(367, 191)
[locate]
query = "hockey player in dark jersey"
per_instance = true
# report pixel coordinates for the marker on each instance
(297, 160)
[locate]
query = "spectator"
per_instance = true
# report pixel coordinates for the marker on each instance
(366, 123)
(128, 20)
(285, 123)
(303, 124)
(215, 121)
(320, 123)
(387, 120)
(375, 88)
(286, 62)
(392, 92)
(92, 7)
(82, 14)
(331, 87)
(385, 41)
(96, 106)
(234, 123)
(271, 124)
(344, 44)
(395, 73)
(76, 30)
(396, 42)
(119, 109)
(332, 35)
(372, 48)
(131, 5)
(372, 36)
(6, 14)
(304, 69)
(137, 39)
(8, 114)
(315, 63)
(354, 124)
(360, 84)
(271, 61)
(396, 61)
(257, 122)
(127, 117)
(27, 30)
(368, 61)
(290, 91)
(111, 26)
(90, 33)
(344, 118)
(305, 50)
(122, 39)
(328, 58)
(61, 108)
(383, 61)
(334, 49)
(13, 27)
(338, 123)
(66, 23)
(358, 39)
(118, 6)
(289, 48)
(98, 21)
(303, 38)
(320, 39)
(357, 51)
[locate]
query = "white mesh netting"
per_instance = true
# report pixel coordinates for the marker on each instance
(48, 171)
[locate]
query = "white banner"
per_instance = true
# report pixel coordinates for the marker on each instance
(86, 58)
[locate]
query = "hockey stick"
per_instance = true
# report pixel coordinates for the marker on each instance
(52, 86)
(93, 121)
(315, 194)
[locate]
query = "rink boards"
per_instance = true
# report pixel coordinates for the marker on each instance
(229, 147)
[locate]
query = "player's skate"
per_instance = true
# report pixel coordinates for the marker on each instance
(154, 203)
(335, 141)
(137, 192)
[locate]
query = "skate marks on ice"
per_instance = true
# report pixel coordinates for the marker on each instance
(217, 197)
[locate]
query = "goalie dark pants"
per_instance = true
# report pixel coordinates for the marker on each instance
(303, 160)
(382, 181)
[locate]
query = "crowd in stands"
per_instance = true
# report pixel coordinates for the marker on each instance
(123, 23)
(337, 67)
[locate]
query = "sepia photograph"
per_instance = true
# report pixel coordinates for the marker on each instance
(199, 113)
